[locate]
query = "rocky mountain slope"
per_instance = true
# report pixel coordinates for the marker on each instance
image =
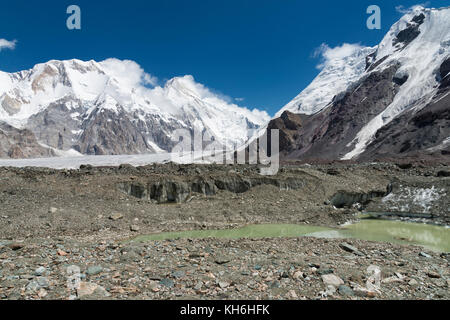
(110, 107)
(397, 105)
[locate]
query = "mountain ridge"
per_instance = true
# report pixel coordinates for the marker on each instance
(402, 90)
(64, 104)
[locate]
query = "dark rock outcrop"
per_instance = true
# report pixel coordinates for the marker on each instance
(444, 72)
(169, 190)
(329, 133)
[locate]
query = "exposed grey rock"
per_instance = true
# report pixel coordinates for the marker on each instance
(116, 216)
(333, 280)
(345, 290)
(349, 248)
(39, 271)
(94, 270)
(20, 143)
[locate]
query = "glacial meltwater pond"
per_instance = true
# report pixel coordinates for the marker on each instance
(432, 237)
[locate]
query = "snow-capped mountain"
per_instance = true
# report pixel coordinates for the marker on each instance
(111, 107)
(388, 101)
(343, 66)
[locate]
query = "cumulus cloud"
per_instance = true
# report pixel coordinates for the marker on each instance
(5, 44)
(404, 10)
(128, 72)
(328, 54)
(239, 99)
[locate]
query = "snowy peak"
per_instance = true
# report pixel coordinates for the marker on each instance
(341, 67)
(363, 97)
(88, 104)
(420, 32)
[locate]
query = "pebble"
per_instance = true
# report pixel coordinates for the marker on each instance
(116, 216)
(425, 255)
(94, 270)
(52, 210)
(433, 275)
(135, 228)
(349, 248)
(345, 290)
(167, 283)
(39, 271)
(331, 279)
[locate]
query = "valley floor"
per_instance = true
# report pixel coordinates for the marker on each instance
(64, 233)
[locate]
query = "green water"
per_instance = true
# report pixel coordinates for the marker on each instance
(432, 237)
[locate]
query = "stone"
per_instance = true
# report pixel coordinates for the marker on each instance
(94, 270)
(298, 275)
(43, 282)
(349, 248)
(88, 289)
(391, 280)
(16, 246)
(178, 274)
(32, 286)
(433, 275)
(167, 283)
(39, 271)
(52, 210)
(223, 284)
(413, 282)
(361, 292)
(135, 228)
(221, 260)
(345, 290)
(292, 294)
(324, 271)
(116, 216)
(42, 293)
(61, 253)
(331, 279)
(425, 255)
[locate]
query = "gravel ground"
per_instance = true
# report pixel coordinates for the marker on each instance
(65, 237)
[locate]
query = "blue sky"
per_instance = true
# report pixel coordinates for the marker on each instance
(261, 51)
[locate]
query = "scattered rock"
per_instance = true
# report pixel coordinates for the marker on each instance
(331, 279)
(16, 246)
(425, 255)
(116, 216)
(94, 270)
(413, 282)
(222, 260)
(52, 210)
(135, 228)
(91, 290)
(433, 275)
(39, 271)
(345, 290)
(178, 274)
(167, 283)
(43, 282)
(349, 248)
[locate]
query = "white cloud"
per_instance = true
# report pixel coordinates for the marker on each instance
(403, 10)
(128, 72)
(5, 44)
(328, 54)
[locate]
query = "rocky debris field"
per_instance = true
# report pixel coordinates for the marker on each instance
(64, 234)
(303, 268)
